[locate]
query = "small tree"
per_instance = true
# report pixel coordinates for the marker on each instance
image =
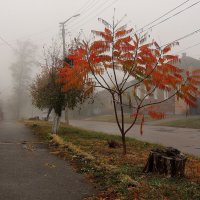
(47, 92)
(41, 91)
(98, 62)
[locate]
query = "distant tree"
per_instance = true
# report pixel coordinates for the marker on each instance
(40, 90)
(47, 92)
(21, 73)
(98, 62)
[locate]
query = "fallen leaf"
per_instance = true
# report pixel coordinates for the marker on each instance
(50, 165)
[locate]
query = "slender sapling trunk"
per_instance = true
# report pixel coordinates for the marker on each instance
(56, 124)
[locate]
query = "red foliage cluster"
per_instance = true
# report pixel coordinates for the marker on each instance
(146, 63)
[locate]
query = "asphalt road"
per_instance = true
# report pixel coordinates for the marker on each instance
(35, 175)
(185, 139)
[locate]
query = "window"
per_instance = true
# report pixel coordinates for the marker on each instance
(166, 94)
(145, 93)
(138, 92)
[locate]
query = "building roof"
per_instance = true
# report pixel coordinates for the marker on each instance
(187, 61)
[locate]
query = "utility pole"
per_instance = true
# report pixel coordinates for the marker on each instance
(64, 54)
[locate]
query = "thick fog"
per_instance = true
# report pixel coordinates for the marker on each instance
(38, 21)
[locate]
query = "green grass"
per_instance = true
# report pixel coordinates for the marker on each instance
(111, 118)
(184, 123)
(117, 176)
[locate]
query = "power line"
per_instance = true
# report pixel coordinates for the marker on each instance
(101, 11)
(163, 15)
(85, 10)
(182, 38)
(28, 36)
(50, 28)
(188, 47)
(82, 9)
(171, 16)
(86, 6)
(90, 13)
(88, 9)
(8, 44)
(90, 6)
(11, 47)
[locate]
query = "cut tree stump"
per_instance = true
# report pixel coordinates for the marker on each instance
(168, 161)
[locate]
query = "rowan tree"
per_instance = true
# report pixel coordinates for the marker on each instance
(144, 64)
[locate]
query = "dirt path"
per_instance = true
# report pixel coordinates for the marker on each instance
(30, 172)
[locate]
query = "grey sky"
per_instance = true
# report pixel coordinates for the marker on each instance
(39, 20)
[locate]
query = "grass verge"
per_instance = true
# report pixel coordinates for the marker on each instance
(127, 118)
(183, 123)
(117, 176)
(111, 118)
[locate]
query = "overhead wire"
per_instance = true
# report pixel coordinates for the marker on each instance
(89, 9)
(115, 1)
(101, 11)
(163, 15)
(28, 36)
(82, 9)
(7, 43)
(182, 38)
(84, 12)
(188, 48)
(88, 6)
(100, 4)
(12, 48)
(85, 6)
(171, 16)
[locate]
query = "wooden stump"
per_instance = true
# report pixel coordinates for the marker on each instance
(168, 161)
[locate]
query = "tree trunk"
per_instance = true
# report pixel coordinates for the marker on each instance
(124, 143)
(56, 124)
(49, 112)
(168, 161)
(66, 116)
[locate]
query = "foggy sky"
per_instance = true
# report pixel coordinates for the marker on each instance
(38, 20)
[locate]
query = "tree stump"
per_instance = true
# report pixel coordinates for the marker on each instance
(168, 161)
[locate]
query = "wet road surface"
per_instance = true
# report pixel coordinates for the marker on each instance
(27, 174)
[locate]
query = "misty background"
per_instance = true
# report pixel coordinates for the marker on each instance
(26, 26)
